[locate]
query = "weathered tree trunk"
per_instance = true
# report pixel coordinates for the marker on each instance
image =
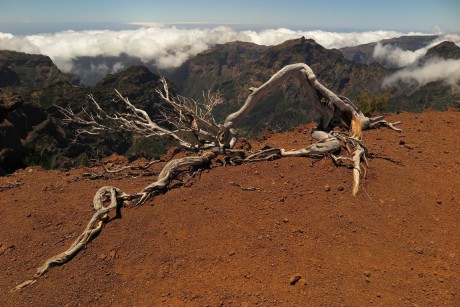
(331, 107)
(189, 116)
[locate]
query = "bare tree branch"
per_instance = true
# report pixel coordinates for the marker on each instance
(190, 116)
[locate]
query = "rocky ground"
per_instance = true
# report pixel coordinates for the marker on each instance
(299, 239)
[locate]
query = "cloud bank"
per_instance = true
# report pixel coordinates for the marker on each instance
(447, 71)
(416, 72)
(395, 56)
(166, 46)
(398, 57)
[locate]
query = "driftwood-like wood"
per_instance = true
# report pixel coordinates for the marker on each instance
(117, 199)
(92, 229)
(213, 139)
(331, 107)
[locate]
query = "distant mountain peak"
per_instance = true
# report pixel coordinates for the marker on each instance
(445, 50)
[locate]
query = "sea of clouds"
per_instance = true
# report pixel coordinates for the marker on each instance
(169, 46)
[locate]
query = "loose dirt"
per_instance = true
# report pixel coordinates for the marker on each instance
(299, 239)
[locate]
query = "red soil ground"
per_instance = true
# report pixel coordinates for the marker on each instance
(396, 243)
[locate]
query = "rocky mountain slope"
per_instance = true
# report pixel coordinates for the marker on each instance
(33, 133)
(24, 122)
(437, 95)
(233, 68)
(363, 53)
(445, 50)
(212, 243)
(32, 129)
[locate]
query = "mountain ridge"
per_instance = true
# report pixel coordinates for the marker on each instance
(230, 68)
(364, 53)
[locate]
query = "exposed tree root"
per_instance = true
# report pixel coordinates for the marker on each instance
(117, 198)
(131, 167)
(10, 185)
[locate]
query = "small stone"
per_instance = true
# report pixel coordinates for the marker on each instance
(367, 273)
(341, 188)
(294, 279)
(419, 250)
(302, 282)
(439, 202)
(113, 255)
(327, 188)
(102, 256)
(232, 253)
(286, 220)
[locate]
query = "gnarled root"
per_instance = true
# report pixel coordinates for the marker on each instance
(92, 229)
(358, 154)
(117, 198)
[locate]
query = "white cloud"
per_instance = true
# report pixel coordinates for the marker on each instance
(118, 66)
(417, 73)
(398, 57)
(165, 45)
(395, 56)
(326, 39)
(436, 69)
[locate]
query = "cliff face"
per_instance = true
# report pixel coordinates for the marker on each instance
(33, 70)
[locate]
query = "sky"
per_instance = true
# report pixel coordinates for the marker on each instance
(357, 15)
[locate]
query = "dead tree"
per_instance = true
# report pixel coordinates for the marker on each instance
(340, 126)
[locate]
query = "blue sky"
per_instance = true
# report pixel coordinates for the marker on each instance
(360, 15)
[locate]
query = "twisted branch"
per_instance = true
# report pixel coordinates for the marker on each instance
(117, 198)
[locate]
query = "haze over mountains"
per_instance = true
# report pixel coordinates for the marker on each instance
(30, 85)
